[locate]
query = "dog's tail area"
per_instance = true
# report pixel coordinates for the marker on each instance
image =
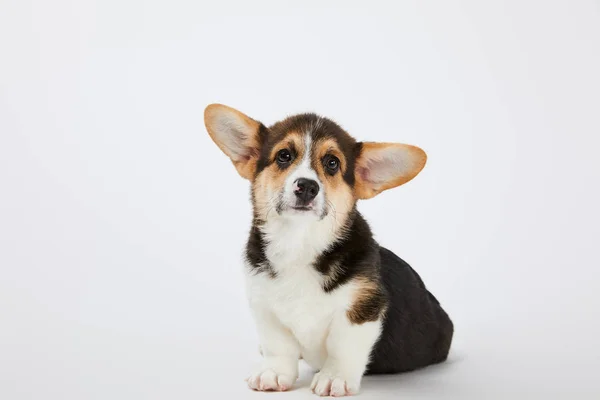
(444, 340)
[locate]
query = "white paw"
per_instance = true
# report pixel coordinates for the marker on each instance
(268, 380)
(328, 384)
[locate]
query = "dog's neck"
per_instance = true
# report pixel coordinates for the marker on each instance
(292, 242)
(284, 248)
(296, 242)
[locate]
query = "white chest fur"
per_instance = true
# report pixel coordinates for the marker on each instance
(295, 296)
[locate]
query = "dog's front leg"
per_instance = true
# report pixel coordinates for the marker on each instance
(280, 349)
(348, 346)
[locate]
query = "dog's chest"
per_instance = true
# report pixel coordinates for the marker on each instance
(296, 298)
(295, 295)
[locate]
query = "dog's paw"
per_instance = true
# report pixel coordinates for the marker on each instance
(269, 380)
(330, 384)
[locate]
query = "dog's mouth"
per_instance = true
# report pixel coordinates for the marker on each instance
(297, 208)
(302, 208)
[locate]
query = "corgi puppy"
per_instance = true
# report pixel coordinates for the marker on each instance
(319, 287)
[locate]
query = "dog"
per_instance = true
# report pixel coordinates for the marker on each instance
(319, 287)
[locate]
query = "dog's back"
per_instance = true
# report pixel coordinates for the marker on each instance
(416, 331)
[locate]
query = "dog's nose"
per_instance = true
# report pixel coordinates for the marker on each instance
(306, 190)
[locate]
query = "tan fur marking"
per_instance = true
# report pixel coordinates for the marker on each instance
(271, 180)
(340, 199)
(329, 146)
(265, 188)
(294, 138)
(368, 301)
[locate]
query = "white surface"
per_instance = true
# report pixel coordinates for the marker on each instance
(122, 224)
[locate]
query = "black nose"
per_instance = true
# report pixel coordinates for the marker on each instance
(306, 190)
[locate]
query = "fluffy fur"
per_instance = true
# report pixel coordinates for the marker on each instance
(319, 286)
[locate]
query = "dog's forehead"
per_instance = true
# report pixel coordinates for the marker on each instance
(319, 129)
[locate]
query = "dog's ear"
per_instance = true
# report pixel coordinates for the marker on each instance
(382, 166)
(237, 135)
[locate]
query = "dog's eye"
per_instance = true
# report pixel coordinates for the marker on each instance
(332, 164)
(284, 156)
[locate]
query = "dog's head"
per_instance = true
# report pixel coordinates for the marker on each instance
(307, 166)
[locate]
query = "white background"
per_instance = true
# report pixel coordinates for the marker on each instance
(122, 225)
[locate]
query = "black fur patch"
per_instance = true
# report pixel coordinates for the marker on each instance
(416, 330)
(255, 253)
(355, 254)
